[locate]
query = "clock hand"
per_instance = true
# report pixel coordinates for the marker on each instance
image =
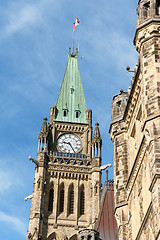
(70, 145)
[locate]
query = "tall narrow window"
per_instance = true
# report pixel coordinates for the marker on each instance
(146, 10)
(82, 201)
(65, 112)
(118, 103)
(133, 131)
(71, 201)
(158, 7)
(51, 198)
(77, 112)
(89, 237)
(139, 115)
(61, 200)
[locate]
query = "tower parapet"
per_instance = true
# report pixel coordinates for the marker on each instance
(119, 138)
(148, 20)
(119, 103)
(147, 10)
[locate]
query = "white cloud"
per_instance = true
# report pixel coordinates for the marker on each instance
(121, 49)
(6, 181)
(19, 15)
(19, 18)
(13, 223)
(9, 178)
(113, 45)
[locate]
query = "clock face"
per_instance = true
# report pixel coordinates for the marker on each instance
(69, 143)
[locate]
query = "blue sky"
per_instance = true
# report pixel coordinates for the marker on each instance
(34, 41)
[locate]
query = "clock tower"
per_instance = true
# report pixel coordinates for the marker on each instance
(67, 183)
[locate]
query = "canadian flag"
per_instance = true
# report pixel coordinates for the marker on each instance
(76, 23)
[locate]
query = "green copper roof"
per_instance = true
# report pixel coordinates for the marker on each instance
(71, 103)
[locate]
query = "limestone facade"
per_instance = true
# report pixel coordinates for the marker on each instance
(135, 132)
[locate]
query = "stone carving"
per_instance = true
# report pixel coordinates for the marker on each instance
(33, 236)
(117, 219)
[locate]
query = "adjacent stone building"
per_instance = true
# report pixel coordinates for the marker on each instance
(135, 132)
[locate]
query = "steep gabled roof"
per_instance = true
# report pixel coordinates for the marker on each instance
(71, 96)
(106, 223)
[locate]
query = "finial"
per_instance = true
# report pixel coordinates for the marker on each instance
(76, 51)
(97, 135)
(69, 50)
(45, 119)
(121, 91)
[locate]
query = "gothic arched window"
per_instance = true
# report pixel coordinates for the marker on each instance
(158, 7)
(51, 198)
(71, 199)
(61, 199)
(146, 10)
(52, 237)
(65, 112)
(77, 113)
(82, 200)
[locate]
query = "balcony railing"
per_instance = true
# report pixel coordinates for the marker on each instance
(69, 155)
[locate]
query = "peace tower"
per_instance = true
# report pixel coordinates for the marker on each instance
(67, 183)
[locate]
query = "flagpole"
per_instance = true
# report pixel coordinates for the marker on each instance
(73, 42)
(76, 23)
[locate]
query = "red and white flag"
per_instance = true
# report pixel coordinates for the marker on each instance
(76, 23)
